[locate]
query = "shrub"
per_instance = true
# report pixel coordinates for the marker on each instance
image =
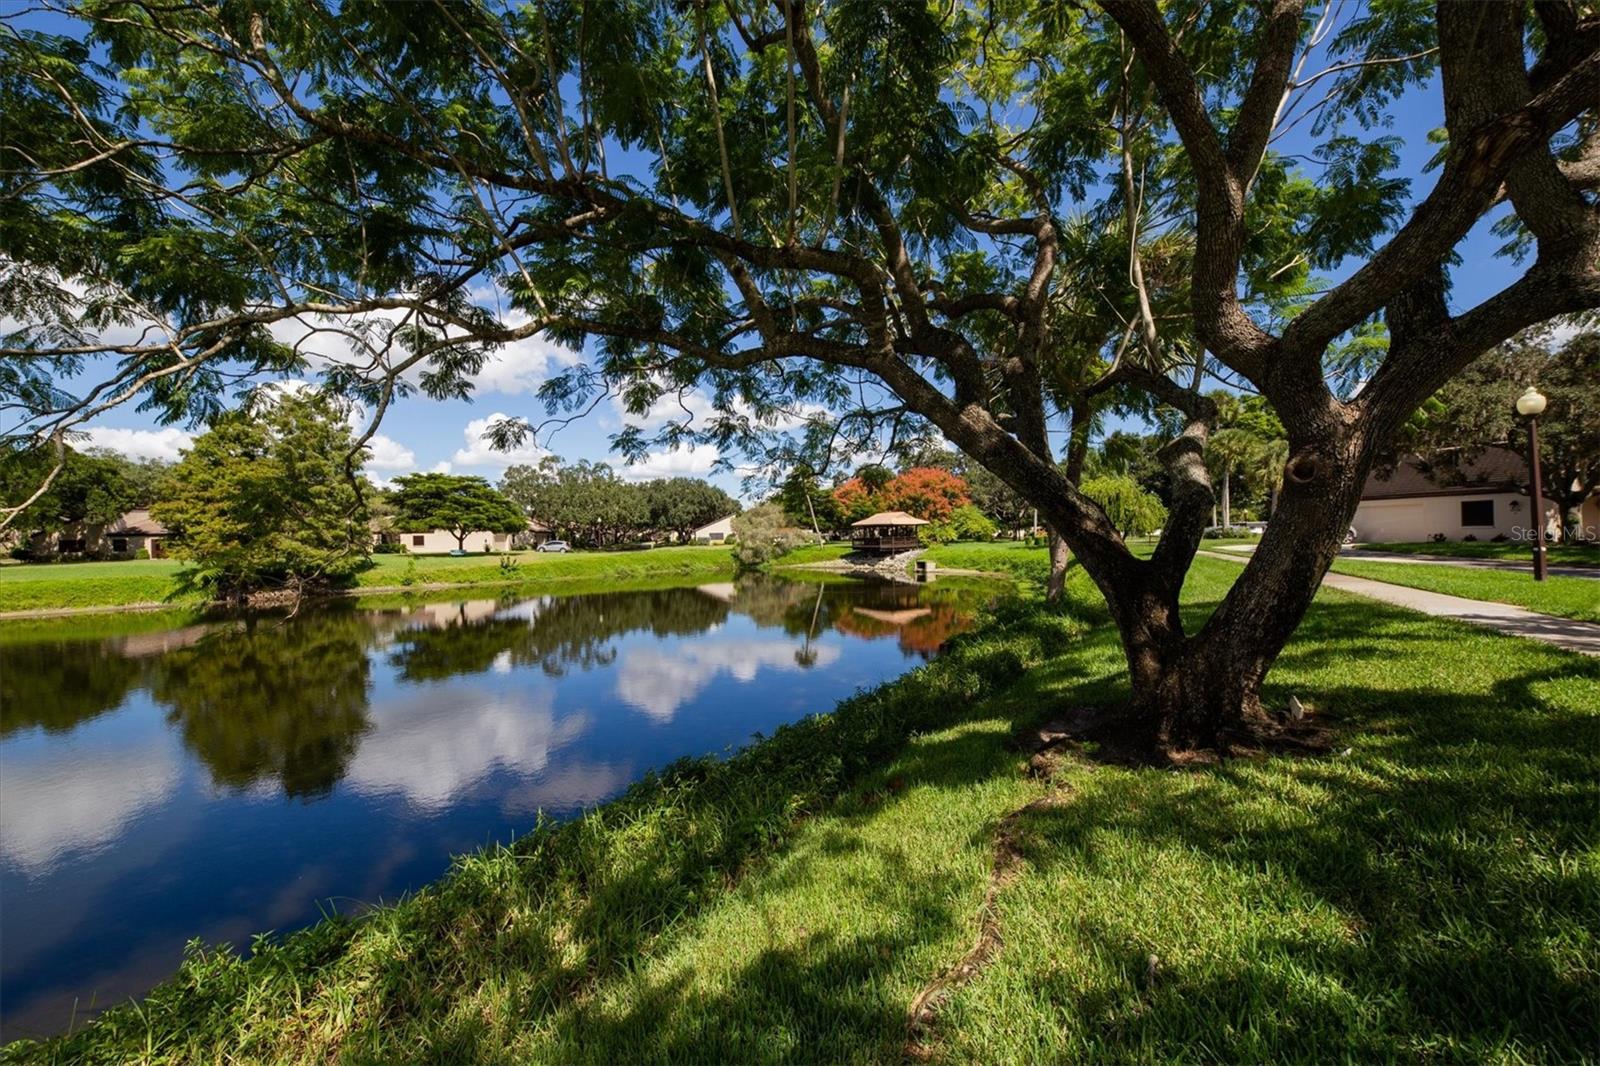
(763, 536)
(965, 523)
(142, 553)
(387, 547)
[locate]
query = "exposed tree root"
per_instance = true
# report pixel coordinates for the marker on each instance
(1003, 871)
(1104, 735)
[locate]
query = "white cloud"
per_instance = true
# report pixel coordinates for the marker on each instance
(79, 794)
(164, 444)
(694, 460)
(389, 454)
(441, 467)
(431, 749)
(658, 680)
(521, 367)
(513, 369)
(477, 452)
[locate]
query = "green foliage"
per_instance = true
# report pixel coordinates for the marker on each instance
(965, 523)
(764, 535)
(92, 488)
(455, 503)
(809, 503)
(681, 505)
(1131, 509)
(263, 499)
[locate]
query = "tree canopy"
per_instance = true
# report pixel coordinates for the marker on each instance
(844, 222)
(588, 503)
(92, 487)
(263, 499)
(455, 503)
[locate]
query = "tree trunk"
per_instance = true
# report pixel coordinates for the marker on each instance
(1059, 555)
(1204, 690)
(1227, 499)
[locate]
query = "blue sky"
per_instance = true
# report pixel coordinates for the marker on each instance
(423, 434)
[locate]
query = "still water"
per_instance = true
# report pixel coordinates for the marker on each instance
(236, 775)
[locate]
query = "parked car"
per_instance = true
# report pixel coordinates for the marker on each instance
(554, 546)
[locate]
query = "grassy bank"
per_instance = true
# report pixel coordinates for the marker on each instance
(35, 586)
(54, 586)
(1557, 554)
(1567, 597)
(1427, 894)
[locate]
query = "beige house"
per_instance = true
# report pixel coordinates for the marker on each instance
(126, 535)
(714, 532)
(442, 541)
(1485, 499)
(137, 531)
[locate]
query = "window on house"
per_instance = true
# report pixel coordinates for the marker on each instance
(418, 540)
(119, 544)
(1477, 512)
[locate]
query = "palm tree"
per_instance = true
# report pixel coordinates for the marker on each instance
(1264, 467)
(1227, 450)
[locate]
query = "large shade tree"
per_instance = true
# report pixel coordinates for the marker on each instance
(974, 216)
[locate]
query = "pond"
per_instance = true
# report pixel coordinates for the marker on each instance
(234, 775)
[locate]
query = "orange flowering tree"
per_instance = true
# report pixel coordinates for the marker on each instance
(927, 492)
(854, 500)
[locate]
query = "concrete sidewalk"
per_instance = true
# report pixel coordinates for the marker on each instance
(1566, 570)
(1568, 633)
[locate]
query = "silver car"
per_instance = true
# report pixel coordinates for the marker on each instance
(554, 546)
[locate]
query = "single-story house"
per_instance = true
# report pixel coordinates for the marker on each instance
(1483, 499)
(886, 532)
(714, 532)
(442, 541)
(136, 531)
(536, 534)
(127, 534)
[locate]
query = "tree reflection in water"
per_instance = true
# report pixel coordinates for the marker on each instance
(267, 699)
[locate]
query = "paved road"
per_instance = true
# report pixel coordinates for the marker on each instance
(1568, 633)
(1591, 572)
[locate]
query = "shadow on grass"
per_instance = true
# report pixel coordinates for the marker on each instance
(1425, 895)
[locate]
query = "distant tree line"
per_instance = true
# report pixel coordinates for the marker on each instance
(588, 504)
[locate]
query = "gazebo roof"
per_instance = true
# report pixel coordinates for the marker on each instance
(889, 518)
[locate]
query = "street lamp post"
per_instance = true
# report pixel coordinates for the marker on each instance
(1531, 405)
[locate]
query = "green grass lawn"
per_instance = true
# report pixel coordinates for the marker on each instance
(1567, 597)
(59, 585)
(55, 585)
(1557, 554)
(389, 570)
(1428, 892)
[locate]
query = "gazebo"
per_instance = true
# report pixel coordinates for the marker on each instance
(886, 532)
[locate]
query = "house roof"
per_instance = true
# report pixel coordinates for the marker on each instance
(889, 518)
(536, 526)
(718, 522)
(1495, 469)
(138, 522)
